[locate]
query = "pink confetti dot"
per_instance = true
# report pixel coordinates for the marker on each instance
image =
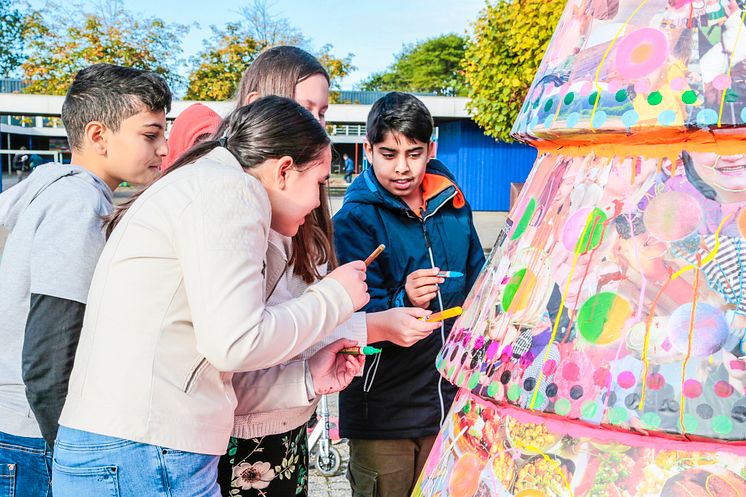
(678, 84)
(692, 389)
(642, 86)
(656, 381)
(549, 367)
(601, 377)
(626, 379)
(721, 82)
(723, 389)
(571, 372)
(614, 85)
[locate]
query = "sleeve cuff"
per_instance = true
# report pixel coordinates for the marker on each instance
(310, 392)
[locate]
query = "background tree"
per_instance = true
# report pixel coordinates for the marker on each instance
(217, 70)
(509, 41)
(432, 65)
(222, 62)
(12, 21)
(270, 29)
(63, 41)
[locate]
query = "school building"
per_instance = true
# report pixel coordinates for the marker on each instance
(484, 168)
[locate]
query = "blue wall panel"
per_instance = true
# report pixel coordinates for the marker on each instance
(483, 167)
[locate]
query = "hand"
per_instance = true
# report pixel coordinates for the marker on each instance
(352, 277)
(422, 286)
(399, 325)
(331, 371)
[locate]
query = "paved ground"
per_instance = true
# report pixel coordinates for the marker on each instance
(488, 225)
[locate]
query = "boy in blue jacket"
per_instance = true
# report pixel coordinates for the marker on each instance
(412, 205)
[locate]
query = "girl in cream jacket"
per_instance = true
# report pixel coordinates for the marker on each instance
(177, 306)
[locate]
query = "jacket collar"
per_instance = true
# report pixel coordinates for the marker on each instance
(367, 189)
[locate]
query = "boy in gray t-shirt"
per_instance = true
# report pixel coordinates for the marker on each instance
(115, 119)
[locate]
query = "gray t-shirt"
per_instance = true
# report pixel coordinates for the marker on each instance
(55, 238)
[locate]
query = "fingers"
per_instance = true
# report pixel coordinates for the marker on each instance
(358, 265)
(422, 273)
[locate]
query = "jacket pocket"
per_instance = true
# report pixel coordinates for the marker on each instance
(8, 480)
(362, 480)
(194, 375)
(101, 481)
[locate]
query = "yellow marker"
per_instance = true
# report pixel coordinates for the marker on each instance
(375, 254)
(443, 315)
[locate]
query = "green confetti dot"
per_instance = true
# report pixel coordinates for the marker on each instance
(493, 389)
(569, 98)
(451, 370)
(461, 379)
(536, 103)
(473, 381)
(655, 98)
(528, 213)
(548, 106)
(689, 97)
(439, 363)
(593, 98)
(562, 407)
(514, 392)
(589, 409)
(691, 423)
(467, 407)
(618, 415)
(722, 425)
(731, 96)
(621, 95)
(540, 400)
(651, 420)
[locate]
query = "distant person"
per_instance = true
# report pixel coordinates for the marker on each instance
(115, 118)
(349, 168)
(412, 205)
(21, 164)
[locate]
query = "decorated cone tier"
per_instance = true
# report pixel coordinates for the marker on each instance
(601, 351)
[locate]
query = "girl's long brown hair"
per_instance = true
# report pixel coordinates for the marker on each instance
(276, 71)
(270, 128)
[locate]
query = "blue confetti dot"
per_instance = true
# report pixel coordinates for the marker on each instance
(667, 117)
(707, 117)
(599, 119)
(573, 119)
(533, 123)
(743, 114)
(630, 118)
(548, 122)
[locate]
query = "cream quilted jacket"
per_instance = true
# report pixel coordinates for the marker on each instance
(177, 305)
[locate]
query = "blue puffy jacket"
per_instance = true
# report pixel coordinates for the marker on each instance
(400, 394)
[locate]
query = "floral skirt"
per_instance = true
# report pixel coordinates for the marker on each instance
(275, 465)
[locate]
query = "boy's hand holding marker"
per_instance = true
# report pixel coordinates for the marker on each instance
(422, 286)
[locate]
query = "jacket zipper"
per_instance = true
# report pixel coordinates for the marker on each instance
(440, 297)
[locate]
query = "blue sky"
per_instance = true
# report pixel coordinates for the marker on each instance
(374, 31)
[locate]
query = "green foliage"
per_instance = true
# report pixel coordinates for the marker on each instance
(13, 24)
(510, 38)
(432, 65)
(220, 65)
(61, 42)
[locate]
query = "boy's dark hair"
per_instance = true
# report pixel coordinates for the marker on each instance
(400, 112)
(110, 94)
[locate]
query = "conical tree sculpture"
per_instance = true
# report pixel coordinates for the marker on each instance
(601, 351)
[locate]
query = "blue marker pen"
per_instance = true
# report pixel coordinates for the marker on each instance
(450, 274)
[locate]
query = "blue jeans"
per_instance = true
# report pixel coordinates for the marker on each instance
(25, 467)
(101, 466)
